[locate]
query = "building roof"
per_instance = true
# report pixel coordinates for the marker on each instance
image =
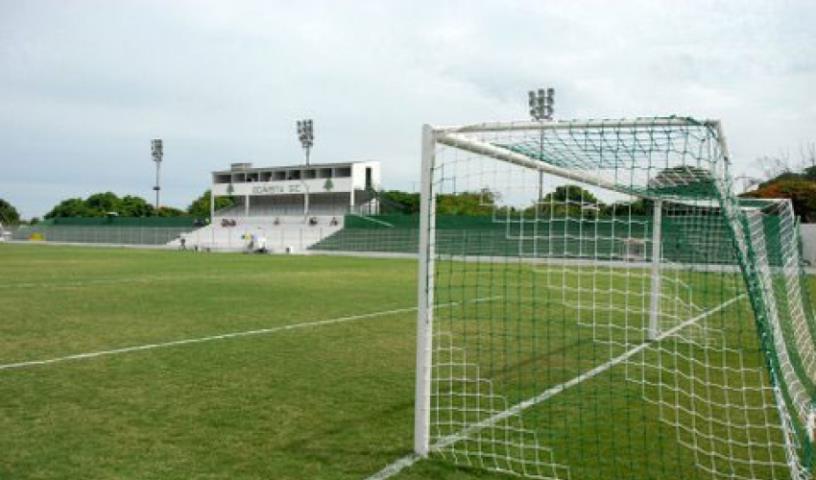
(247, 167)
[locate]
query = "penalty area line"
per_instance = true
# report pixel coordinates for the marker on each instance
(408, 460)
(224, 336)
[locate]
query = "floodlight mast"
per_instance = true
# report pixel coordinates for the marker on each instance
(157, 151)
(305, 130)
(541, 103)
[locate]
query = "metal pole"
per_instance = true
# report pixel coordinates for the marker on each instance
(305, 199)
(158, 188)
(422, 405)
(157, 152)
(654, 308)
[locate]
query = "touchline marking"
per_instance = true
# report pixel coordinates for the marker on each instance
(443, 442)
(224, 336)
(119, 281)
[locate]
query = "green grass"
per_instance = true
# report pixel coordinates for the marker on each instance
(327, 402)
(332, 401)
(547, 325)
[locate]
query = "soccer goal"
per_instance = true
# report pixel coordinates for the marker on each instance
(609, 308)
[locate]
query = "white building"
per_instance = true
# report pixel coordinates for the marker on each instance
(316, 190)
(287, 209)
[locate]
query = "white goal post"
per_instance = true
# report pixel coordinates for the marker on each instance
(612, 308)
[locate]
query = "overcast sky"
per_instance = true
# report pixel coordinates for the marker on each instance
(84, 86)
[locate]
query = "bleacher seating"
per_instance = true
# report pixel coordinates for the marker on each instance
(284, 234)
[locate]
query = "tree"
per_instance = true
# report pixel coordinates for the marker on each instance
(637, 208)
(809, 173)
(8, 214)
(399, 202)
(103, 203)
(132, 206)
(466, 203)
(568, 200)
(165, 211)
(571, 193)
(71, 207)
(796, 183)
(781, 166)
(801, 192)
(200, 208)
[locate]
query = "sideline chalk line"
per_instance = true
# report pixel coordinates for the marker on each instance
(223, 336)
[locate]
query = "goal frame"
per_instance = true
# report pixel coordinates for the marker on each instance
(454, 136)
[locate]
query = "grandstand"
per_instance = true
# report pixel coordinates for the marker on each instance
(291, 207)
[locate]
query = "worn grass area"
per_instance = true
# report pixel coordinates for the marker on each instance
(333, 401)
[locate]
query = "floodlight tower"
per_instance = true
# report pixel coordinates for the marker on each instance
(157, 151)
(541, 103)
(305, 132)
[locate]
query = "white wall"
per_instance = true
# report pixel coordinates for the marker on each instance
(358, 174)
(808, 232)
(282, 187)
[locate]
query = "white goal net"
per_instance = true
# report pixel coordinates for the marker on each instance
(613, 310)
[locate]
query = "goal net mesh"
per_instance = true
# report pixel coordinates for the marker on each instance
(608, 308)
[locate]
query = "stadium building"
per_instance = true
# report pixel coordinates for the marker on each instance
(291, 207)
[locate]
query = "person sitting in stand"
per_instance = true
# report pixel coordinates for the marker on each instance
(313, 221)
(333, 221)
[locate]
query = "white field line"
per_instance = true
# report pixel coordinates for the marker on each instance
(395, 467)
(449, 440)
(119, 281)
(224, 336)
(90, 283)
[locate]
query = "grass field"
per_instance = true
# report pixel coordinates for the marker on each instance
(332, 399)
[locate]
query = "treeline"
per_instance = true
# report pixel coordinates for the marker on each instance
(565, 197)
(108, 203)
(799, 187)
(8, 214)
(571, 200)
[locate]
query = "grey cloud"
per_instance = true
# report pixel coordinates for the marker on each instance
(85, 85)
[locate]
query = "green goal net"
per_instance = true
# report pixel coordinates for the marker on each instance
(615, 312)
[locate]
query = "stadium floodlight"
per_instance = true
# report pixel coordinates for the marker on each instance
(541, 103)
(639, 321)
(157, 152)
(305, 131)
